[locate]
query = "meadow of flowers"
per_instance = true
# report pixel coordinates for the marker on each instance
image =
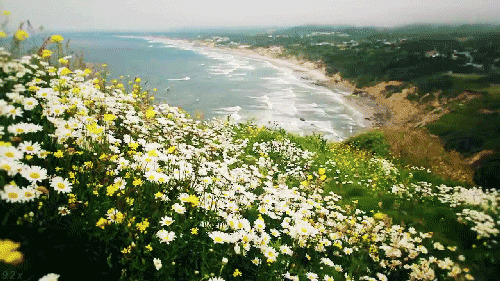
(147, 193)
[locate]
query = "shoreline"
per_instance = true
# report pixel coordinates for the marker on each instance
(373, 113)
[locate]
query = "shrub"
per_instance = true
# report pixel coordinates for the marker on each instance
(433, 83)
(488, 173)
(373, 141)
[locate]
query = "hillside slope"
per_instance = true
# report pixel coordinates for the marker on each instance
(98, 182)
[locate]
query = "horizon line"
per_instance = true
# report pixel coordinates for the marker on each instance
(255, 27)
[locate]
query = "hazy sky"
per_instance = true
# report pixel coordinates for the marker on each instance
(170, 14)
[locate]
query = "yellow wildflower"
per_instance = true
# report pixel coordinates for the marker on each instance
(130, 201)
(119, 217)
(150, 113)
(158, 195)
(321, 171)
(9, 253)
(194, 231)
(3, 34)
(133, 145)
(193, 199)
(65, 70)
(237, 273)
(171, 149)
(59, 154)
(46, 54)
(94, 129)
(6, 13)
(153, 153)
(21, 35)
(141, 226)
(137, 182)
(109, 117)
(101, 223)
(111, 189)
(56, 38)
(379, 216)
(137, 80)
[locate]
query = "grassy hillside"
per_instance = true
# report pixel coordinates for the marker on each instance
(98, 182)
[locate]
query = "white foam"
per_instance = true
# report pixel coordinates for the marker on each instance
(232, 112)
(180, 79)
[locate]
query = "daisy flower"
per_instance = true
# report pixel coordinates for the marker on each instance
(165, 236)
(12, 112)
(50, 277)
(29, 148)
(157, 263)
(216, 279)
(312, 276)
(12, 194)
(63, 211)
(29, 194)
(61, 185)
(34, 173)
(12, 167)
(166, 220)
(10, 152)
(30, 103)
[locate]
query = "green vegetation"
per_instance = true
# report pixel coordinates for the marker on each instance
(410, 54)
(373, 141)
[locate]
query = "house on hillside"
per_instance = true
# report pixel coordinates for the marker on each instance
(432, 54)
(465, 56)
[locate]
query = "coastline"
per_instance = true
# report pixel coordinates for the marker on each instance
(373, 113)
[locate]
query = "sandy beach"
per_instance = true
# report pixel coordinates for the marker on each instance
(374, 113)
(377, 109)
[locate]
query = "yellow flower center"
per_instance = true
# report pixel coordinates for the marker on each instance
(9, 154)
(61, 185)
(30, 148)
(35, 175)
(13, 195)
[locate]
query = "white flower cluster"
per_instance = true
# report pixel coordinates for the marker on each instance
(483, 224)
(195, 173)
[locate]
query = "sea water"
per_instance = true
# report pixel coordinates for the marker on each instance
(212, 82)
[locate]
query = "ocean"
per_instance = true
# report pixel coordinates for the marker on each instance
(212, 83)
